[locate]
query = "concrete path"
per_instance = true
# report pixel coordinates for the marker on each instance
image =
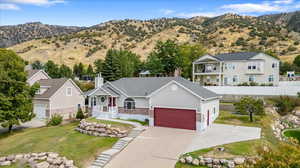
(34, 123)
(161, 147)
(219, 134)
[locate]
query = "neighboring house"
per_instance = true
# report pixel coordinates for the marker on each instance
(55, 96)
(165, 101)
(236, 68)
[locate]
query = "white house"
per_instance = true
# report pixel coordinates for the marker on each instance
(165, 101)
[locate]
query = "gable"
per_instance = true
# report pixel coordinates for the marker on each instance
(264, 57)
(206, 58)
(37, 76)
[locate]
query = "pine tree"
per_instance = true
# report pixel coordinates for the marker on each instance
(111, 67)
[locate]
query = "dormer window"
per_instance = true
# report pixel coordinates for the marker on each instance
(69, 91)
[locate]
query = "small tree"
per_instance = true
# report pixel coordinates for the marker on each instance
(55, 119)
(80, 114)
(297, 61)
(251, 106)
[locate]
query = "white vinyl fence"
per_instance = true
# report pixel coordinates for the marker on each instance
(287, 90)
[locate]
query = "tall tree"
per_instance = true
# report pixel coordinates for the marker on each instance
(129, 63)
(65, 71)
(168, 53)
(111, 67)
(52, 69)
(98, 64)
(90, 71)
(189, 53)
(15, 94)
(297, 61)
(37, 65)
(79, 70)
(154, 64)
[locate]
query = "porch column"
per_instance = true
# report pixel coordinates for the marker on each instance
(220, 76)
(194, 72)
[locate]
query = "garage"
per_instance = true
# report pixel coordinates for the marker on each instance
(175, 118)
(39, 111)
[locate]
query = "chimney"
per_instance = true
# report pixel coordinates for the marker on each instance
(98, 81)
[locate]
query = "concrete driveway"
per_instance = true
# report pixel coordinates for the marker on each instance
(161, 147)
(30, 124)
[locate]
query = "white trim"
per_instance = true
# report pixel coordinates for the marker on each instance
(206, 57)
(173, 107)
(67, 91)
(75, 86)
(39, 72)
(96, 89)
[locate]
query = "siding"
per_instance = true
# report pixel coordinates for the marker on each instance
(179, 98)
(36, 77)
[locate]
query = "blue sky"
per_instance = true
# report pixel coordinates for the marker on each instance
(91, 12)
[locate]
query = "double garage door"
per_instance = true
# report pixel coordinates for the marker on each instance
(175, 118)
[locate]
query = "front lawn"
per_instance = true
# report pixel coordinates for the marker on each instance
(61, 139)
(227, 117)
(122, 126)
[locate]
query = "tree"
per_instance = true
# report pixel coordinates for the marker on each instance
(37, 65)
(98, 64)
(79, 70)
(15, 94)
(168, 53)
(129, 63)
(190, 53)
(79, 114)
(111, 67)
(65, 71)
(52, 69)
(297, 61)
(90, 71)
(154, 64)
(251, 106)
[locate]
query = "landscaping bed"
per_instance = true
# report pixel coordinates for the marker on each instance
(63, 139)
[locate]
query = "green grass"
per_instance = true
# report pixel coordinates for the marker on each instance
(295, 133)
(226, 117)
(61, 139)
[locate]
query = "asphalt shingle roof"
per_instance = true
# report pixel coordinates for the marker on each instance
(52, 84)
(30, 73)
(145, 86)
(235, 56)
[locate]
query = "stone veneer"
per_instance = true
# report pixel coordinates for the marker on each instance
(142, 111)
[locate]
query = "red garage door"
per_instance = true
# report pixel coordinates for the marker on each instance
(175, 118)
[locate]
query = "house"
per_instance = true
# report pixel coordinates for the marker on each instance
(165, 101)
(55, 96)
(236, 68)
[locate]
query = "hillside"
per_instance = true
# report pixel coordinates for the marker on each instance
(11, 35)
(226, 33)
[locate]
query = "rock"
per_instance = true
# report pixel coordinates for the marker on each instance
(182, 160)
(216, 161)
(19, 157)
(208, 160)
(2, 159)
(297, 113)
(69, 163)
(42, 165)
(53, 155)
(221, 149)
(230, 164)
(10, 157)
(200, 157)
(209, 165)
(189, 159)
(50, 160)
(202, 162)
(239, 161)
(5, 163)
(57, 161)
(196, 162)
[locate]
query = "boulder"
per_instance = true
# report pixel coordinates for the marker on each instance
(216, 161)
(201, 162)
(2, 159)
(239, 160)
(42, 165)
(53, 155)
(19, 157)
(5, 163)
(69, 163)
(10, 157)
(189, 159)
(196, 162)
(208, 160)
(182, 160)
(230, 164)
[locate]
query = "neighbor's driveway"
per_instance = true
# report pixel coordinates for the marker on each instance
(30, 124)
(160, 147)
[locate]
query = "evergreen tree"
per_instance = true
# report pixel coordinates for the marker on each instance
(129, 63)
(37, 65)
(98, 65)
(65, 71)
(52, 69)
(111, 67)
(90, 71)
(154, 64)
(15, 94)
(297, 61)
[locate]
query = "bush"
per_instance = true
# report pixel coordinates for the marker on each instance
(79, 114)
(285, 104)
(56, 119)
(250, 106)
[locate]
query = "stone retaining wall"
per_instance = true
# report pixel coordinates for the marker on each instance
(96, 129)
(38, 160)
(214, 162)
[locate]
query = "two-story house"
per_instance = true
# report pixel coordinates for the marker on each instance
(231, 69)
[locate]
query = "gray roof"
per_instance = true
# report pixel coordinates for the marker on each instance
(136, 87)
(235, 56)
(32, 72)
(53, 84)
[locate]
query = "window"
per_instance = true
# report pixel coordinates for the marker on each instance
(129, 104)
(274, 65)
(69, 91)
(271, 78)
(249, 67)
(235, 79)
(95, 101)
(251, 78)
(214, 111)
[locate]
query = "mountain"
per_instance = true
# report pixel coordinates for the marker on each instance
(225, 33)
(11, 35)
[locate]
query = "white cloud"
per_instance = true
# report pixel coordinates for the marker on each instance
(252, 7)
(283, 1)
(167, 11)
(36, 2)
(7, 6)
(206, 14)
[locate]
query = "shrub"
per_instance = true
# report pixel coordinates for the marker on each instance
(79, 114)
(285, 104)
(250, 106)
(55, 119)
